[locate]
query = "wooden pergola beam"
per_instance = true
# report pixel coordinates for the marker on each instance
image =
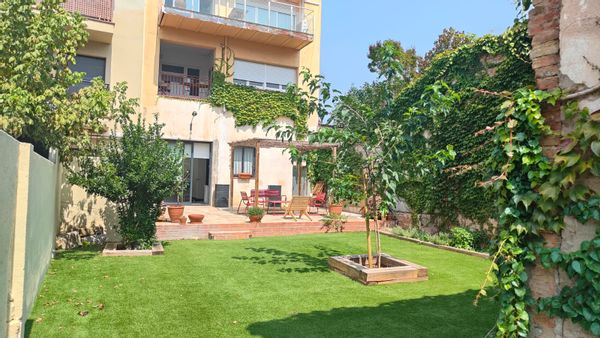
(257, 172)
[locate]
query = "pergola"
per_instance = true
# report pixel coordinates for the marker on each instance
(258, 143)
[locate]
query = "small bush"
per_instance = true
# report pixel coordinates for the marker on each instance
(334, 221)
(481, 240)
(136, 171)
(461, 238)
(441, 238)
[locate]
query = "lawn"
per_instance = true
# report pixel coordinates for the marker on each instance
(268, 287)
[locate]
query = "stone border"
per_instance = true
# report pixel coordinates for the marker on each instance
(110, 250)
(437, 246)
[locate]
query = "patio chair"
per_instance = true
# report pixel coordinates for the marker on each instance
(298, 204)
(245, 200)
(318, 201)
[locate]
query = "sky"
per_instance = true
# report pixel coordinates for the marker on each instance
(350, 26)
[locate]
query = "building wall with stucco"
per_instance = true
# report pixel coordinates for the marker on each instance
(131, 45)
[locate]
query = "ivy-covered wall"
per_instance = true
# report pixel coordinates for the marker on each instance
(492, 63)
(251, 106)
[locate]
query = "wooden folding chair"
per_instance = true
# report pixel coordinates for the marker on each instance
(298, 204)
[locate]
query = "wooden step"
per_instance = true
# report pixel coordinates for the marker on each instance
(229, 235)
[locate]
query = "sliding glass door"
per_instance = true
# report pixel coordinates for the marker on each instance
(195, 173)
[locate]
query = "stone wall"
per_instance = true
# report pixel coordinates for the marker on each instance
(566, 55)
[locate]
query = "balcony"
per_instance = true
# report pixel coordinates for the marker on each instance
(99, 10)
(99, 14)
(264, 21)
(185, 71)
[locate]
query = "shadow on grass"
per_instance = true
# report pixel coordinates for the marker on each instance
(82, 253)
(438, 316)
(312, 263)
(28, 326)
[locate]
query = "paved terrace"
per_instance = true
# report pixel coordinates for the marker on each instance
(235, 226)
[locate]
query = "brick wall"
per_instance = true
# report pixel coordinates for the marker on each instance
(550, 63)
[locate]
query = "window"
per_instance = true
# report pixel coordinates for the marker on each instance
(243, 160)
(263, 76)
(92, 67)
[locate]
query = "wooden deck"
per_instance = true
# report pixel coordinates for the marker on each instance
(224, 220)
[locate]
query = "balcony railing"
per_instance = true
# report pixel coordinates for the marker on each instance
(100, 10)
(267, 13)
(181, 85)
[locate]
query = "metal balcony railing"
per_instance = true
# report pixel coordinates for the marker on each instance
(181, 85)
(100, 10)
(267, 13)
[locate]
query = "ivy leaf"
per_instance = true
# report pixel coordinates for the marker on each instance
(526, 199)
(577, 267)
(549, 191)
(595, 328)
(596, 148)
(578, 193)
(569, 160)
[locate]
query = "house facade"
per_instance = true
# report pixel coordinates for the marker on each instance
(167, 51)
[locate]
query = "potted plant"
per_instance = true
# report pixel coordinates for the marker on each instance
(175, 211)
(255, 214)
(334, 221)
(343, 189)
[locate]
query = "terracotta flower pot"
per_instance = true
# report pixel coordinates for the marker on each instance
(255, 218)
(336, 209)
(175, 212)
(245, 176)
(196, 218)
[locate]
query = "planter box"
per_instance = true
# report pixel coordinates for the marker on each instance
(392, 270)
(111, 249)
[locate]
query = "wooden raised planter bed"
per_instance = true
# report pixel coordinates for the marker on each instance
(392, 270)
(113, 250)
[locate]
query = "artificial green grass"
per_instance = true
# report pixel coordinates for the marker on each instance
(268, 287)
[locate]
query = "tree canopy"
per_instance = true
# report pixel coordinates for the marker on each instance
(38, 43)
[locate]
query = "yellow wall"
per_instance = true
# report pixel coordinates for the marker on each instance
(28, 211)
(132, 55)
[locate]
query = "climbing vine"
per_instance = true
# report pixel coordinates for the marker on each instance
(251, 106)
(534, 195)
(493, 63)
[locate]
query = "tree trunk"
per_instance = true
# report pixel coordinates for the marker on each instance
(367, 223)
(378, 239)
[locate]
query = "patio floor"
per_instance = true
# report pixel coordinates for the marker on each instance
(228, 220)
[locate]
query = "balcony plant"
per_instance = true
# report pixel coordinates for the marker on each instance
(244, 176)
(255, 214)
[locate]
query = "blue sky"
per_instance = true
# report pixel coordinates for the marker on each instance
(350, 26)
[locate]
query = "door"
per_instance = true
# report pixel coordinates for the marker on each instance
(195, 173)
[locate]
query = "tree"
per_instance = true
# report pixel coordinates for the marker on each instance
(136, 171)
(38, 42)
(450, 39)
(389, 58)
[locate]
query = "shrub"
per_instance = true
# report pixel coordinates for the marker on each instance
(441, 238)
(136, 172)
(461, 238)
(255, 211)
(481, 240)
(334, 221)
